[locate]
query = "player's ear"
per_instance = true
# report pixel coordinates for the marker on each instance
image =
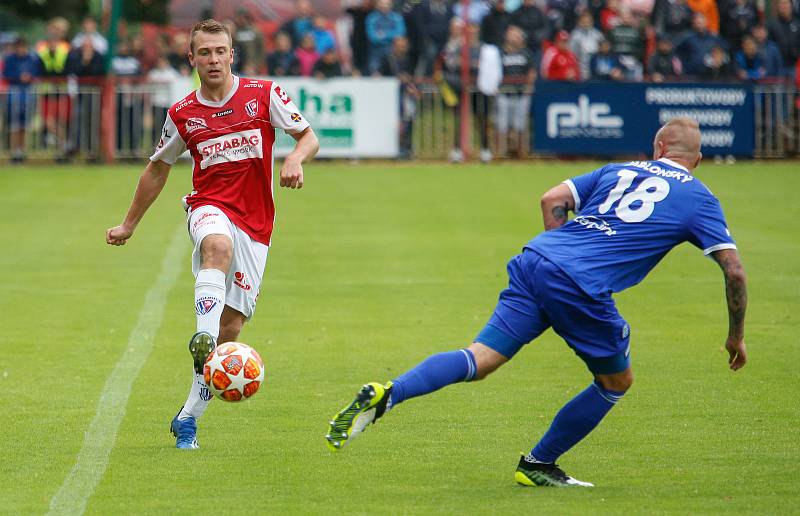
(699, 159)
(191, 59)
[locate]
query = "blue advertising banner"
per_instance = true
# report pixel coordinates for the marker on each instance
(622, 118)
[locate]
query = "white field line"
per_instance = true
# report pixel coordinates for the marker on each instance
(92, 460)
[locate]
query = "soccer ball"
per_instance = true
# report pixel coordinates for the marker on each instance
(234, 371)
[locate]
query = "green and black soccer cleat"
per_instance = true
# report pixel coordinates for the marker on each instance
(200, 346)
(368, 406)
(546, 475)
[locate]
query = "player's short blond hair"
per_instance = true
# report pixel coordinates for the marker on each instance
(209, 26)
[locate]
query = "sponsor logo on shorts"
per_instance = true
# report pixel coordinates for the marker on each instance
(205, 304)
(219, 114)
(240, 281)
(296, 117)
(195, 123)
(231, 147)
(252, 108)
(201, 220)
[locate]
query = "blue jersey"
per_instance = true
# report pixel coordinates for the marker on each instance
(628, 216)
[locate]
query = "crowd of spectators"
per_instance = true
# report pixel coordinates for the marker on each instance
(573, 40)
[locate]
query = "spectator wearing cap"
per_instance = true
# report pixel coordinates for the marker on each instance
(605, 65)
(383, 26)
(584, 41)
(672, 18)
(558, 61)
(494, 24)
(769, 52)
(695, 50)
(784, 30)
(664, 65)
(282, 60)
(20, 70)
(749, 65)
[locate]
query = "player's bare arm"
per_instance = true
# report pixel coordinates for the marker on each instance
(736, 295)
(151, 183)
(556, 203)
(306, 148)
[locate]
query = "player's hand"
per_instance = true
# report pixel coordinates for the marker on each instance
(118, 235)
(737, 353)
(292, 174)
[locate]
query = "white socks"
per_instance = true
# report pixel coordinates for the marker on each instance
(209, 300)
(199, 397)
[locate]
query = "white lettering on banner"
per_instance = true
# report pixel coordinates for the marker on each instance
(717, 138)
(582, 119)
(704, 117)
(696, 96)
(231, 147)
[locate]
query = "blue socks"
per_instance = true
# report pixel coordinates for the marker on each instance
(574, 422)
(433, 373)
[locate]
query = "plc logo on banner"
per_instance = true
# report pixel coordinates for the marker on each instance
(584, 119)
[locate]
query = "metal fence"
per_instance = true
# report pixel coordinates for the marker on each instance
(65, 121)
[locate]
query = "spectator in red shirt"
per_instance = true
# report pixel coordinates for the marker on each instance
(558, 61)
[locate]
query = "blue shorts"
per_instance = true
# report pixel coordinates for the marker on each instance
(540, 295)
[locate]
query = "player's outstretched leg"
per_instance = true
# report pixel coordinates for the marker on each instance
(184, 424)
(432, 374)
(532, 473)
(368, 406)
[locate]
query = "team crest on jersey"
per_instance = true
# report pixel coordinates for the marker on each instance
(195, 123)
(296, 117)
(252, 108)
(205, 304)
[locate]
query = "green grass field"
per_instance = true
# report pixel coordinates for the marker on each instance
(374, 267)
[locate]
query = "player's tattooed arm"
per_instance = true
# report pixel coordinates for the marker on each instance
(736, 296)
(556, 203)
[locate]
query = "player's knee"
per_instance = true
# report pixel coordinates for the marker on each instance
(619, 382)
(217, 252)
(487, 360)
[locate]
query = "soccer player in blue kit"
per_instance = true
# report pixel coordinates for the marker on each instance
(628, 216)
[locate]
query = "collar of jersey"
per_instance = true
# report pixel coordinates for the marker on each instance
(211, 103)
(673, 164)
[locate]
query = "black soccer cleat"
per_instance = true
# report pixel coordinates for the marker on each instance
(200, 346)
(532, 474)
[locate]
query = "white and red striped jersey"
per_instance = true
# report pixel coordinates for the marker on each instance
(231, 143)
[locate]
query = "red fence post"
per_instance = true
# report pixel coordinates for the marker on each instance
(108, 115)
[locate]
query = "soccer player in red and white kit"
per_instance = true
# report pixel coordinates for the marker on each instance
(228, 126)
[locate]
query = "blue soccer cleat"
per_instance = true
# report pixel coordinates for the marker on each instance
(185, 432)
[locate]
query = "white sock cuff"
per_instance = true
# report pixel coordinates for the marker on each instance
(210, 278)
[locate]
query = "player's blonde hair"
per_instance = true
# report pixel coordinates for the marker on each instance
(209, 26)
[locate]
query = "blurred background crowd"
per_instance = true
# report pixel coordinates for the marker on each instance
(422, 41)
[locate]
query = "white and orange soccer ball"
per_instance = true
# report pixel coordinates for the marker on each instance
(234, 371)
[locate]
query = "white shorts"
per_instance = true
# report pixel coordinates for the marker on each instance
(513, 111)
(243, 282)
